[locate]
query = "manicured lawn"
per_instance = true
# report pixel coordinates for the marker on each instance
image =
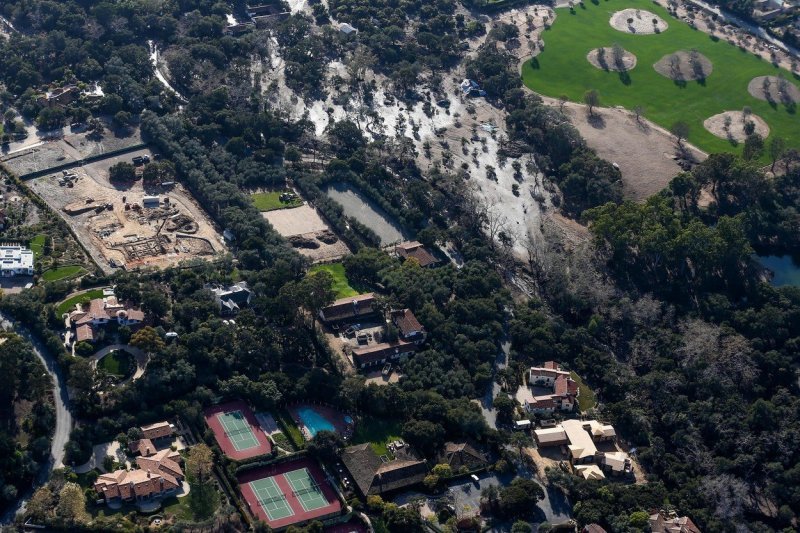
(69, 303)
(37, 246)
(586, 398)
(562, 69)
(378, 433)
(269, 201)
(118, 363)
(340, 283)
(64, 272)
(290, 430)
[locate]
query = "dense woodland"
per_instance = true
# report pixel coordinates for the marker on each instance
(665, 314)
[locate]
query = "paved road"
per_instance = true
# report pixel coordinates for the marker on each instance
(63, 415)
(747, 25)
(493, 390)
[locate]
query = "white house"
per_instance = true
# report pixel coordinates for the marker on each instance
(15, 261)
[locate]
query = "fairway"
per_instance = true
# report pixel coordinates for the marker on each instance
(238, 430)
(562, 69)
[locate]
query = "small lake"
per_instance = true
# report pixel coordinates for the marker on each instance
(361, 208)
(785, 267)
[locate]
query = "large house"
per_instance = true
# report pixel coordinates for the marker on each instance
(373, 475)
(580, 438)
(353, 307)
(417, 251)
(382, 353)
(159, 474)
(98, 313)
(15, 261)
(563, 390)
(231, 300)
(152, 432)
(662, 521)
(461, 454)
(408, 326)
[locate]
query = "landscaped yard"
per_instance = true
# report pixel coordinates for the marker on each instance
(37, 246)
(562, 69)
(341, 285)
(290, 430)
(378, 433)
(56, 274)
(586, 399)
(269, 201)
(118, 363)
(69, 303)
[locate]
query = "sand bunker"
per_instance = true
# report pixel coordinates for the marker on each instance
(774, 89)
(638, 21)
(730, 125)
(684, 66)
(606, 59)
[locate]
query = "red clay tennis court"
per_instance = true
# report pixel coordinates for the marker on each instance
(289, 493)
(237, 431)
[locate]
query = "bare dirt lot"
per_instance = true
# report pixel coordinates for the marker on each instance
(603, 58)
(643, 152)
(305, 230)
(684, 66)
(637, 21)
(773, 89)
(64, 146)
(128, 234)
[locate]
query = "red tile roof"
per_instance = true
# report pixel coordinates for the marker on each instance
(416, 250)
(84, 333)
(157, 430)
(406, 322)
(142, 447)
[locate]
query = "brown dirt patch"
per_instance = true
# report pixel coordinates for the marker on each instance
(774, 89)
(637, 21)
(735, 129)
(684, 65)
(644, 152)
(603, 58)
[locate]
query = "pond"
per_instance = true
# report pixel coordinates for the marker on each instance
(786, 269)
(361, 208)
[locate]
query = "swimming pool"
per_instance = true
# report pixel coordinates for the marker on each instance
(314, 421)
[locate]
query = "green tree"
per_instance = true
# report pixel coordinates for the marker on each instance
(71, 506)
(122, 172)
(777, 147)
(680, 129)
(520, 497)
(592, 99)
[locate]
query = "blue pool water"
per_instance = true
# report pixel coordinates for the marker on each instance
(314, 421)
(786, 269)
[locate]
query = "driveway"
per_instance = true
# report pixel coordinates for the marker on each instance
(493, 390)
(63, 415)
(139, 355)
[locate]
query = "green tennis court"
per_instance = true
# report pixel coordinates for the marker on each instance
(271, 498)
(238, 430)
(306, 490)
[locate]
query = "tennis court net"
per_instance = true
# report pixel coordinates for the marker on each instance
(307, 490)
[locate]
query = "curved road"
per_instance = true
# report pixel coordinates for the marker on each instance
(63, 415)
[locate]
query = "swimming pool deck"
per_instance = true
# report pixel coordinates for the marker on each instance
(311, 418)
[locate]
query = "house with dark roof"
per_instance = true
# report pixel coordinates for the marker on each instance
(231, 300)
(416, 250)
(382, 353)
(375, 475)
(350, 308)
(408, 326)
(461, 454)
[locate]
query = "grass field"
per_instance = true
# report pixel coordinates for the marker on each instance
(341, 285)
(290, 430)
(586, 398)
(56, 274)
(269, 201)
(37, 246)
(69, 303)
(118, 363)
(378, 433)
(562, 69)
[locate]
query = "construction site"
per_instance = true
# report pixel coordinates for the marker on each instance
(126, 226)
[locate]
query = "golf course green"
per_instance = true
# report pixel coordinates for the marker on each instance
(562, 69)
